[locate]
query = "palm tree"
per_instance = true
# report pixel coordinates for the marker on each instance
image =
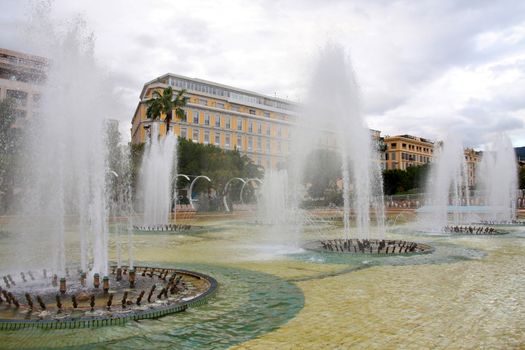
(165, 103)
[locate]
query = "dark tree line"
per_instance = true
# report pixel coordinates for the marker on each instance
(195, 159)
(400, 181)
(218, 164)
(521, 177)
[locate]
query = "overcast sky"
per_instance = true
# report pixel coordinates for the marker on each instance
(425, 68)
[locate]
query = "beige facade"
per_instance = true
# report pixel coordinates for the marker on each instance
(231, 118)
(472, 158)
(20, 78)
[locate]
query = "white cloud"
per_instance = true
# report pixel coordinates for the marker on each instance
(423, 66)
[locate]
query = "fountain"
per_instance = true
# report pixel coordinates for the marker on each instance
(450, 204)
(70, 193)
(334, 120)
(75, 305)
(159, 163)
(447, 185)
(273, 203)
(498, 182)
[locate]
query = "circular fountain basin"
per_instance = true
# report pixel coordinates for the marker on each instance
(43, 302)
(473, 230)
(504, 223)
(168, 228)
(385, 247)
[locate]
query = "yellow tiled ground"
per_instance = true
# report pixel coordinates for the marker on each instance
(466, 305)
(471, 304)
(463, 305)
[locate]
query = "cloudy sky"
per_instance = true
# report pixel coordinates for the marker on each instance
(426, 67)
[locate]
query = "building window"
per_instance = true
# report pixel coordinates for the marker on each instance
(239, 124)
(195, 117)
(239, 141)
(217, 138)
(217, 121)
(279, 146)
(250, 126)
(20, 97)
(279, 131)
(195, 137)
(252, 111)
(36, 100)
(268, 145)
(203, 102)
(236, 108)
(183, 133)
(259, 128)
(268, 130)
(207, 119)
(219, 105)
(206, 137)
(259, 144)
(227, 141)
(250, 143)
(393, 145)
(227, 122)
(393, 155)
(267, 114)
(20, 114)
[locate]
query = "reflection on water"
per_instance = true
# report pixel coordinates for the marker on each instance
(247, 304)
(469, 293)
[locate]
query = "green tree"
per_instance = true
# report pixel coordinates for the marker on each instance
(218, 164)
(400, 181)
(165, 103)
(322, 170)
(197, 159)
(136, 153)
(522, 177)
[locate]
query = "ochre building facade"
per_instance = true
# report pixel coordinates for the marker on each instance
(403, 151)
(231, 118)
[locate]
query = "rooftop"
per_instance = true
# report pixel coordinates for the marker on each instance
(226, 92)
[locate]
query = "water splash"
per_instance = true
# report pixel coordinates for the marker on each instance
(273, 204)
(64, 175)
(447, 183)
(157, 171)
(333, 120)
(498, 179)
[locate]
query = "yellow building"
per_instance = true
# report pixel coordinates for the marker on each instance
(21, 76)
(257, 125)
(403, 151)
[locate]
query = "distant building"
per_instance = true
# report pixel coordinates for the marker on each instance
(228, 117)
(403, 151)
(259, 126)
(21, 77)
(472, 158)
